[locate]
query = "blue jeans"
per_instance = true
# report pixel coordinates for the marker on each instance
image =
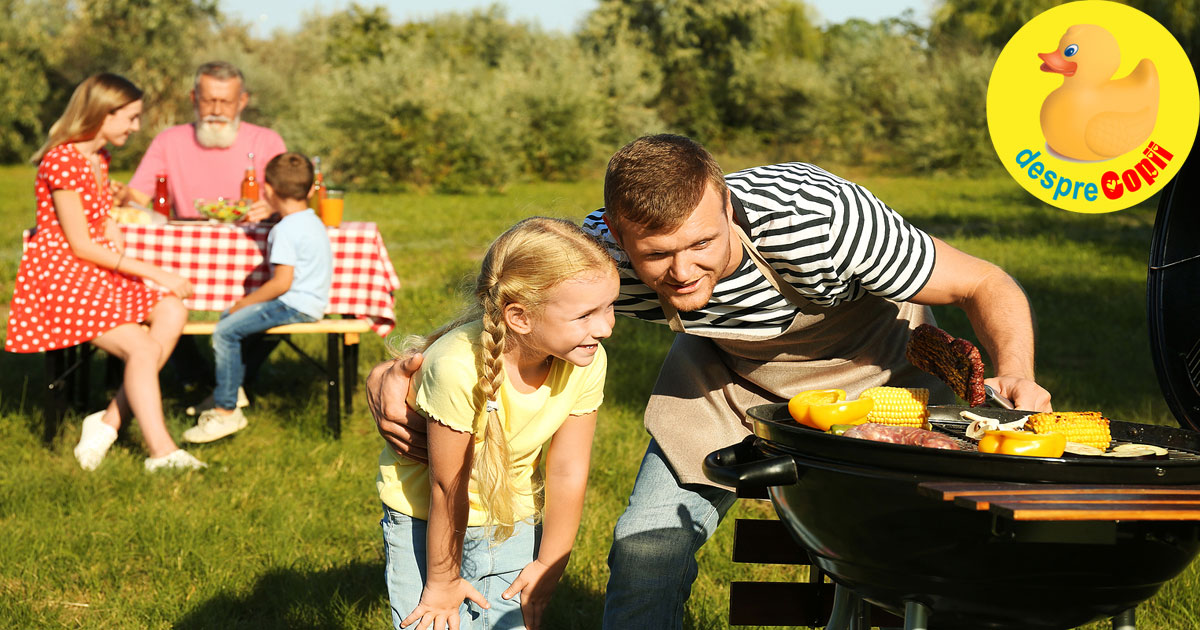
(227, 343)
(491, 569)
(652, 562)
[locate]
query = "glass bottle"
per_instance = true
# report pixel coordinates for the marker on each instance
(161, 204)
(250, 181)
(318, 194)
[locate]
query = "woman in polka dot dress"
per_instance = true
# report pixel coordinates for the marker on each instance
(76, 285)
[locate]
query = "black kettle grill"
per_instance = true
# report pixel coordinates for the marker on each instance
(854, 504)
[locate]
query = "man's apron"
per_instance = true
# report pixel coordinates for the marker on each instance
(709, 379)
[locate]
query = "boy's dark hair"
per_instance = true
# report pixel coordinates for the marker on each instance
(290, 175)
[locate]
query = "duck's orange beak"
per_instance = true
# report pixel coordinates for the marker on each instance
(1056, 62)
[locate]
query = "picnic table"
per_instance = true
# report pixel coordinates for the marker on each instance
(225, 261)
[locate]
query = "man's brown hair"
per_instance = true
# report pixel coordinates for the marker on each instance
(657, 181)
(290, 175)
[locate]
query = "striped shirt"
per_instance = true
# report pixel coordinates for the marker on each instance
(829, 238)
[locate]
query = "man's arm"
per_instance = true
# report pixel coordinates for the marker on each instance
(401, 426)
(1000, 315)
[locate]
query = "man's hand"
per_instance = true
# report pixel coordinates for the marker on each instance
(259, 211)
(1024, 393)
(401, 426)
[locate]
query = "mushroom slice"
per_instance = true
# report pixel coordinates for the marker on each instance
(1141, 449)
(1076, 448)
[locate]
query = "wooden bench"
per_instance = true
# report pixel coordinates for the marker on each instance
(67, 371)
(810, 603)
(343, 332)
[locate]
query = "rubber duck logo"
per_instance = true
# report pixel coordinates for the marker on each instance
(1102, 122)
(1092, 116)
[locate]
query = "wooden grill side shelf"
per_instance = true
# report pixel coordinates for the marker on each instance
(1065, 502)
(67, 369)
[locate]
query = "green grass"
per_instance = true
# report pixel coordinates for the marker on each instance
(281, 531)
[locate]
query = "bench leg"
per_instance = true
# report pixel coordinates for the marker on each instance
(349, 371)
(333, 405)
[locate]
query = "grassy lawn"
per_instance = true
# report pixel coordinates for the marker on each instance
(282, 530)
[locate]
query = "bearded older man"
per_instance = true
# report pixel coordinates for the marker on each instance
(207, 158)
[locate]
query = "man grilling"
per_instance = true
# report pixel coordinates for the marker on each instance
(778, 279)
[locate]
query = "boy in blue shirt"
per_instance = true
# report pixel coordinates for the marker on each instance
(298, 291)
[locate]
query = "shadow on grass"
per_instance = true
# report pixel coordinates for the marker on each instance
(297, 599)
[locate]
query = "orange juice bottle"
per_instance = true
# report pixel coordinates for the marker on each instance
(250, 181)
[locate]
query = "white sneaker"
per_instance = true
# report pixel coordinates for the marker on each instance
(214, 425)
(207, 404)
(177, 459)
(95, 438)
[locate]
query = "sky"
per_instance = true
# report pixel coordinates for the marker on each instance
(560, 15)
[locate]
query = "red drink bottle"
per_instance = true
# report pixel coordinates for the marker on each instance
(161, 204)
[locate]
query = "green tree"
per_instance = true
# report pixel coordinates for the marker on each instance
(699, 46)
(151, 42)
(26, 85)
(993, 22)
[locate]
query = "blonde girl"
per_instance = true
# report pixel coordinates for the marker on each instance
(75, 284)
(523, 368)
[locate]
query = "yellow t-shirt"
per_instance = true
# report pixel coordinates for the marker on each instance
(445, 392)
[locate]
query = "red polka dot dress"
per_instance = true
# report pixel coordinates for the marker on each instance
(60, 300)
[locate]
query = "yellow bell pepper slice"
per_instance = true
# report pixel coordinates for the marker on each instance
(1023, 443)
(845, 412)
(823, 408)
(799, 404)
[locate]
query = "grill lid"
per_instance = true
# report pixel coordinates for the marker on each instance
(1173, 294)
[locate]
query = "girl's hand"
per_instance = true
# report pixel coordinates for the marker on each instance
(176, 284)
(439, 605)
(536, 584)
(113, 233)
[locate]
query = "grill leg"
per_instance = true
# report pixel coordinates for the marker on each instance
(846, 606)
(1124, 621)
(916, 616)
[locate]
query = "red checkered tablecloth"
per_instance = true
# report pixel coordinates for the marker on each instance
(225, 261)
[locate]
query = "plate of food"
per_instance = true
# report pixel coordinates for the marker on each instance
(223, 210)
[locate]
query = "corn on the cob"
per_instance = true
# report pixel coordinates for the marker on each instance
(1081, 427)
(898, 406)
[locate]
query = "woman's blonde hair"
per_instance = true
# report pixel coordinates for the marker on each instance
(520, 267)
(94, 99)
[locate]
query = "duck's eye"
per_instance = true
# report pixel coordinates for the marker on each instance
(1071, 50)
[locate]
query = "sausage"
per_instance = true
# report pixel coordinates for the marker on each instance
(913, 436)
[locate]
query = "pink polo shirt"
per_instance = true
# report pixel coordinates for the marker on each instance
(194, 172)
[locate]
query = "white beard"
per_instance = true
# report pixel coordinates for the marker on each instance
(212, 135)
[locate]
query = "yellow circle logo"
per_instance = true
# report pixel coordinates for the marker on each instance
(1092, 106)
